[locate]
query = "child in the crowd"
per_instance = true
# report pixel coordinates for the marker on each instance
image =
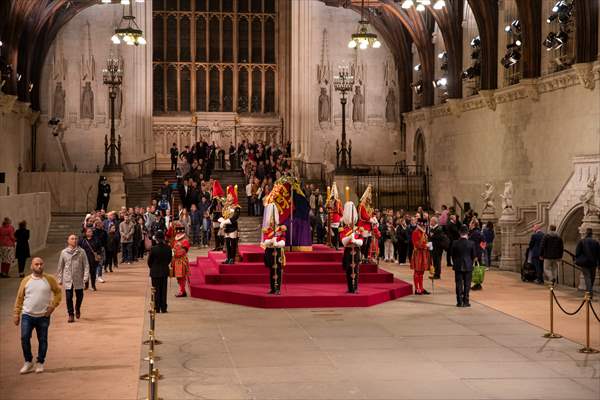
(206, 228)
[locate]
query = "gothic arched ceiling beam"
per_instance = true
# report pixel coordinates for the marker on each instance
(28, 35)
(586, 14)
(420, 28)
(486, 17)
(449, 20)
(530, 15)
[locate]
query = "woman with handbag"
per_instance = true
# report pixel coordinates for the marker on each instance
(92, 250)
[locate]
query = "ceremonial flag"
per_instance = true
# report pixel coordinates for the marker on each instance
(281, 196)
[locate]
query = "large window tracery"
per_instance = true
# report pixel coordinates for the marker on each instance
(215, 56)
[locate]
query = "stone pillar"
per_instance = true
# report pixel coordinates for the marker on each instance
(591, 221)
(117, 190)
(509, 257)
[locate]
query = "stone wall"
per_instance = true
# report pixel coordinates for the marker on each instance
(320, 35)
(33, 208)
(528, 132)
(76, 59)
(68, 191)
(15, 137)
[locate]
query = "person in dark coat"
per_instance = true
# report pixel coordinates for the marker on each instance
(174, 156)
(551, 252)
(112, 249)
(463, 257)
(103, 194)
(439, 240)
(402, 240)
(159, 260)
(92, 249)
(476, 237)
(22, 251)
(535, 250)
(452, 228)
(587, 256)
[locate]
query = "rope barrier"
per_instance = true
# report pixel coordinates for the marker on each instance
(153, 374)
(565, 311)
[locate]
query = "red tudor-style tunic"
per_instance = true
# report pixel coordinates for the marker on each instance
(364, 219)
(335, 213)
(420, 260)
(180, 263)
(277, 234)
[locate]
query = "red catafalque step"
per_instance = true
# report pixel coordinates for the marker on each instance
(310, 280)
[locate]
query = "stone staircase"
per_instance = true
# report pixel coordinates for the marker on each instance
(225, 177)
(62, 225)
(139, 191)
(250, 229)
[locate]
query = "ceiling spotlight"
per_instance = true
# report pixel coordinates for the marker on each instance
(352, 44)
(551, 18)
(106, 1)
(518, 42)
(476, 42)
(561, 39)
(0, 42)
(125, 2)
(472, 72)
(439, 4)
(406, 4)
(442, 55)
(420, 7)
(418, 67)
(418, 87)
(550, 41)
(514, 27)
(442, 82)
(507, 28)
(426, 2)
(376, 44)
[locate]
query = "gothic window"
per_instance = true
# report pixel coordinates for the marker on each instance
(215, 56)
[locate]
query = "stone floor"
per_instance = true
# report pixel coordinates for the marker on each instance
(412, 348)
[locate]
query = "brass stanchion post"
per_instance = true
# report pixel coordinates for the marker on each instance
(151, 333)
(587, 349)
(551, 334)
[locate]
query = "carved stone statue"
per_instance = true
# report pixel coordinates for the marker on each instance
(507, 196)
(324, 106)
(390, 106)
(87, 102)
(488, 198)
(358, 101)
(58, 102)
(588, 199)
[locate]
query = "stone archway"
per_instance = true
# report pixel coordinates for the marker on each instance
(419, 149)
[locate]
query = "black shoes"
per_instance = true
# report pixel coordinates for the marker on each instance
(425, 292)
(71, 319)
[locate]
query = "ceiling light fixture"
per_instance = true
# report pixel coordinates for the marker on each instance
(363, 39)
(128, 30)
(422, 4)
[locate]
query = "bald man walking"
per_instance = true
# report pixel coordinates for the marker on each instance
(38, 296)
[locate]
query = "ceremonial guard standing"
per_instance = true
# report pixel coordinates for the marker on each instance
(229, 223)
(352, 240)
(180, 264)
(334, 212)
(366, 221)
(273, 241)
(421, 258)
(216, 207)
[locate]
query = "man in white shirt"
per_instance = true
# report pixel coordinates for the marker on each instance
(38, 296)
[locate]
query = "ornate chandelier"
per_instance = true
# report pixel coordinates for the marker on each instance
(128, 30)
(363, 39)
(420, 4)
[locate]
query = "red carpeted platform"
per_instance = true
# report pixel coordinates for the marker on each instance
(311, 280)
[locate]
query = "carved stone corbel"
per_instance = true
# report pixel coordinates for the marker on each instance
(455, 107)
(7, 102)
(531, 89)
(488, 98)
(585, 74)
